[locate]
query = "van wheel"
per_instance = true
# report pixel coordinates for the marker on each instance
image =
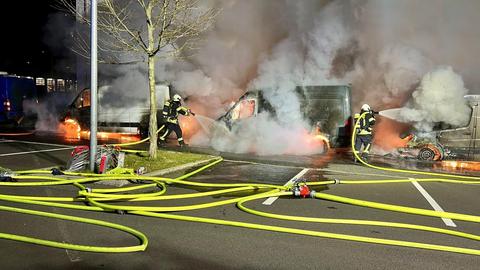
(426, 154)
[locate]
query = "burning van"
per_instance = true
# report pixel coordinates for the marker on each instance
(327, 108)
(458, 143)
(122, 118)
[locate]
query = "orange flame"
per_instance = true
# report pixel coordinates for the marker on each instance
(387, 134)
(189, 126)
(70, 128)
(461, 165)
(121, 137)
(71, 131)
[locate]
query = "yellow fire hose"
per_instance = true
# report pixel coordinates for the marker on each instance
(99, 200)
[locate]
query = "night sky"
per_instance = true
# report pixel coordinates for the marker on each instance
(35, 39)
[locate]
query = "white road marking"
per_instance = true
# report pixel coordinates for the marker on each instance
(73, 255)
(39, 143)
(433, 203)
(36, 151)
(263, 164)
(271, 200)
(1, 141)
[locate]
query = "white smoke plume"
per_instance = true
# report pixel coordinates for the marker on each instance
(263, 136)
(438, 98)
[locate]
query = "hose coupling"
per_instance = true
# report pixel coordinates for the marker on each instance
(56, 171)
(336, 181)
(6, 176)
(300, 189)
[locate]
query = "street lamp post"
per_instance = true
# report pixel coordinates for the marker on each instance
(93, 85)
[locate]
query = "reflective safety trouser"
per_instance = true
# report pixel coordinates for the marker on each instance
(365, 141)
(169, 127)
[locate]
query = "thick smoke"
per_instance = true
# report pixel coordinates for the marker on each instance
(438, 98)
(384, 48)
(303, 58)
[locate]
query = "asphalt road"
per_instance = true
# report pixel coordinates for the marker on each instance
(187, 245)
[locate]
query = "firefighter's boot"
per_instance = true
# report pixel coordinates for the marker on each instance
(355, 159)
(161, 142)
(365, 157)
(182, 143)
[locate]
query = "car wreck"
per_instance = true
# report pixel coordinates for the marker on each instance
(327, 109)
(452, 143)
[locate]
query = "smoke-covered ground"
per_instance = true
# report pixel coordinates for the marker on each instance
(394, 53)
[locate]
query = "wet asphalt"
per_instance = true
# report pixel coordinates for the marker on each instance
(186, 245)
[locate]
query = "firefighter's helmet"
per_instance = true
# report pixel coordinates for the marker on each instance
(177, 98)
(366, 108)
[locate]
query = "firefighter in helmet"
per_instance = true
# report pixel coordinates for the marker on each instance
(171, 109)
(364, 129)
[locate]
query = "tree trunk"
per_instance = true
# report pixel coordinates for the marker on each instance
(152, 128)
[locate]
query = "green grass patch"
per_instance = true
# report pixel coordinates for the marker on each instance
(165, 159)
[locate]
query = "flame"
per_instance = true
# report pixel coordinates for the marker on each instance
(319, 135)
(387, 134)
(310, 142)
(189, 126)
(324, 139)
(71, 130)
(121, 137)
(460, 165)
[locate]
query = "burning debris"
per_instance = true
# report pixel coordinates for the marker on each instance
(72, 131)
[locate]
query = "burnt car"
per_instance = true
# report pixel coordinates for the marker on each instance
(441, 144)
(423, 149)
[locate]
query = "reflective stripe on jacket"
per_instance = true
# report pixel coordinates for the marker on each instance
(171, 110)
(366, 124)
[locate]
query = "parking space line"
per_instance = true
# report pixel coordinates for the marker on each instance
(263, 164)
(433, 203)
(36, 151)
(39, 143)
(271, 200)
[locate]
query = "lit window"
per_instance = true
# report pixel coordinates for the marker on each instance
(61, 85)
(40, 81)
(50, 85)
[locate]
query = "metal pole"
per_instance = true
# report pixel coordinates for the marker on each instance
(93, 84)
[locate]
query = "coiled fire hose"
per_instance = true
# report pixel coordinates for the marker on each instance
(101, 200)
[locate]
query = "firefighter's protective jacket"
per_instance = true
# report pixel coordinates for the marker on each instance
(172, 109)
(365, 125)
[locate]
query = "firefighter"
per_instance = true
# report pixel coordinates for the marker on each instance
(171, 109)
(364, 128)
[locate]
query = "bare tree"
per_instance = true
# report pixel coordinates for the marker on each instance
(143, 31)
